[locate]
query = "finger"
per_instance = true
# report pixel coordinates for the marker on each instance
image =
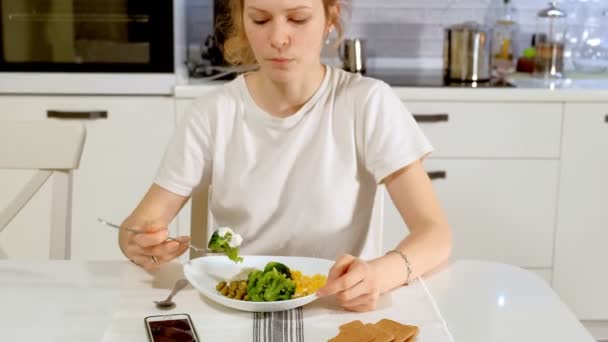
(146, 262)
(340, 267)
(165, 248)
(365, 302)
(361, 308)
(356, 291)
(166, 251)
(345, 282)
(170, 254)
(151, 239)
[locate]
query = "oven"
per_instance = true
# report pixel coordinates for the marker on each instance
(86, 39)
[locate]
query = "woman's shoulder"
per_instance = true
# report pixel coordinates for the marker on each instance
(219, 104)
(357, 86)
(222, 96)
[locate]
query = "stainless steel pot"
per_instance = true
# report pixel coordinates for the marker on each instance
(466, 54)
(353, 55)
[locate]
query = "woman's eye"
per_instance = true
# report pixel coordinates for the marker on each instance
(260, 22)
(299, 20)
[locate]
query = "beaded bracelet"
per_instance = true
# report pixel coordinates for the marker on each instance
(407, 264)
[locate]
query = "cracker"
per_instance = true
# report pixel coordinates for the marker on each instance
(401, 332)
(352, 325)
(380, 335)
(354, 335)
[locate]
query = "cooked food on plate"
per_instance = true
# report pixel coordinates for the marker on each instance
(274, 283)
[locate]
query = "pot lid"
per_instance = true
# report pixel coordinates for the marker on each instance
(552, 11)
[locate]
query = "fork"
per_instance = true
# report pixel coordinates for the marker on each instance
(109, 224)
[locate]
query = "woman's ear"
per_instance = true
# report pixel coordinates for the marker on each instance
(334, 16)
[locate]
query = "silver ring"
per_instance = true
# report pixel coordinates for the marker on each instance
(154, 259)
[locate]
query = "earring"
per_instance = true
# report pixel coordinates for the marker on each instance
(327, 40)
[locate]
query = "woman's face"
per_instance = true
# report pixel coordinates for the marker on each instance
(286, 36)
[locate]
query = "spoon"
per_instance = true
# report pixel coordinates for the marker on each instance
(109, 224)
(168, 303)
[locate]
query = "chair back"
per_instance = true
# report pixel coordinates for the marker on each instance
(50, 148)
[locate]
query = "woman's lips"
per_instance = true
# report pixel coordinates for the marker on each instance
(280, 60)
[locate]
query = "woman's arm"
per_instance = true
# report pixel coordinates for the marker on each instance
(152, 216)
(429, 243)
(357, 283)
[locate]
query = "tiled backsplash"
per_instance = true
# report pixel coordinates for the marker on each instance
(400, 28)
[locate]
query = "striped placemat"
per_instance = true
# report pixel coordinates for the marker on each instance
(281, 326)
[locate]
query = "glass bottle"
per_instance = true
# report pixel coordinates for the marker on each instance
(590, 54)
(503, 40)
(550, 32)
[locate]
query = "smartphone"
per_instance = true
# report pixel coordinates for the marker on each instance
(171, 328)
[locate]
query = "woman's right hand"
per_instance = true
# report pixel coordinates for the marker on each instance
(150, 248)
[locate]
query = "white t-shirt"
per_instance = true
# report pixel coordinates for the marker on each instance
(302, 185)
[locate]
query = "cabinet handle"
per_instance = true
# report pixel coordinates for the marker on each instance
(87, 115)
(437, 175)
(606, 118)
(442, 117)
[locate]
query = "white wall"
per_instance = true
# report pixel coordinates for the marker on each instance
(403, 28)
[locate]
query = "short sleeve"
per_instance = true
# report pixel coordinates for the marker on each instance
(391, 137)
(188, 155)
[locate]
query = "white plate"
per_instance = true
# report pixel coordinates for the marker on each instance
(204, 273)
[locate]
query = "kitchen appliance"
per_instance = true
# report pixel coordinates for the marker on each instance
(86, 36)
(551, 24)
(83, 46)
(353, 55)
(404, 77)
(467, 53)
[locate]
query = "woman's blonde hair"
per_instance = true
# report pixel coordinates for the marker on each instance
(236, 48)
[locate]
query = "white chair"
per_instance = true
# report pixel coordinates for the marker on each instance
(201, 220)
(50, 148)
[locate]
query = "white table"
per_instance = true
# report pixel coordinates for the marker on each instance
(480, 301)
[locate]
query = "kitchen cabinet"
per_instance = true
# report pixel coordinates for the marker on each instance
(126, 138)
(499, 210)
(498, 168)
(490, 129)
(581, 275)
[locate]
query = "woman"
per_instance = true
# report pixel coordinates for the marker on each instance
(295, 151)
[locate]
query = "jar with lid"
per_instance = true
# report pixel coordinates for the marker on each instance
(551, 26)
(505, 31)
(590, 53)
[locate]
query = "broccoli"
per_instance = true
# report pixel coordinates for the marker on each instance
(222, 242)
(279, 267)
(255, 290)
(269, 285)
(278, 287)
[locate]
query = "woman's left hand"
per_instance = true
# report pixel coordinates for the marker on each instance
(354, 282)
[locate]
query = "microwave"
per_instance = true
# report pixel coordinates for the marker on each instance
(107, 36)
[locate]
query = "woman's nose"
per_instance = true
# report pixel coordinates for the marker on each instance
(279, 37)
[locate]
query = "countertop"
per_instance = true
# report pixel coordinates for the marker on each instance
(576, 88)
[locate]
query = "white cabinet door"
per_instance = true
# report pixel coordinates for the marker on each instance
(490, 130)
(126, 138)
(500, 210)
(581, 274)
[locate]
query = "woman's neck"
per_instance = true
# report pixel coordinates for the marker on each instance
(282, 99)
